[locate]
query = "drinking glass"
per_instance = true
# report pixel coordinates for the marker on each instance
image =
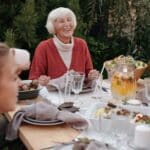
(147, 88)
(77, 82)
(98, 87)
(65, 92)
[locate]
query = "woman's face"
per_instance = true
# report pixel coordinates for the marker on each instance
(8, 84)
(64, 28)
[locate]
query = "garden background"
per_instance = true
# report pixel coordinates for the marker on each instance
(110, 27)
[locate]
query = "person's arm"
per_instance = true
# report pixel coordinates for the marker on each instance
(38, 68)
(39, 62)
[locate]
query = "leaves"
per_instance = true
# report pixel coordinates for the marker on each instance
(10, 37)
(25, 23)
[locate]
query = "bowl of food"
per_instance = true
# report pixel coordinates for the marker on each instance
(140, 66)
(28, 89)
(140, 69)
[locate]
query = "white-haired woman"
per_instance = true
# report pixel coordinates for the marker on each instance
(54, 56)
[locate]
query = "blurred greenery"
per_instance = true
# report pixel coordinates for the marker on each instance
(110, 27)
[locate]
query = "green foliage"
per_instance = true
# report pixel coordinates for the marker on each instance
(25, 24)
(10, 37)
(109, 26)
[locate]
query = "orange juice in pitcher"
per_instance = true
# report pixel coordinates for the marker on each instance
(123, 83)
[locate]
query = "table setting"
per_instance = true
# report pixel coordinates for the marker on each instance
(107, 112)
(43, 114)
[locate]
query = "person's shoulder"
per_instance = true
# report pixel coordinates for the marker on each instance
(79, 40)
(43, 45)
(45, 42)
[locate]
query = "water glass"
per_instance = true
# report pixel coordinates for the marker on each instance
(147, 88)
(77, 82)
(65, 93)
(78, 79)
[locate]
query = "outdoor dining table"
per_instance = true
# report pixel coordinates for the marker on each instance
(37, 137)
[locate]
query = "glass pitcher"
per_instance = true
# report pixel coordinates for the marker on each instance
(123, 83)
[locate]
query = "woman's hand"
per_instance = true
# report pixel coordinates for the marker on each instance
(93, 74)
(43, 80)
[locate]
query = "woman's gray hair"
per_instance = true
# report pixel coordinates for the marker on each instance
(59, 13)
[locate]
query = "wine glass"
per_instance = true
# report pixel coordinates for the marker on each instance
(77, 82)
(147, 88)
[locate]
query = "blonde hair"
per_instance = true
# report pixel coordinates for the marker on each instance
(59, 13)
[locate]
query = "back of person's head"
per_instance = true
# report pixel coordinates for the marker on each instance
(59, 13)
(22, 58)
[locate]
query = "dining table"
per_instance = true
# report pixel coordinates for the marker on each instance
(36, 137)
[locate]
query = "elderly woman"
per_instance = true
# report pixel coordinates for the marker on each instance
(55, 56)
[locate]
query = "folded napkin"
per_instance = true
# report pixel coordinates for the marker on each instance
(58, 83)
(44, 111)
(50, 96)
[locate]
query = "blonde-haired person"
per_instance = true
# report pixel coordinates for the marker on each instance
(8, 86)
(9, 69)
(54, 56)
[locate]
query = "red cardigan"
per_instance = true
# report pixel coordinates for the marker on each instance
(47, 61)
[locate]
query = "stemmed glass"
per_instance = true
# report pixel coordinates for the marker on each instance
(77, 82)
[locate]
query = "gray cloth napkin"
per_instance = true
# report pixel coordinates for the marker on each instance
(44, 111)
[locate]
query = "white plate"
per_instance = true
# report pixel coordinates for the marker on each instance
(43, 123)
(134, 102)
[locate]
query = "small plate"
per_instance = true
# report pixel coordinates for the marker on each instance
(87, 90)
(42, 123)
(134, 102)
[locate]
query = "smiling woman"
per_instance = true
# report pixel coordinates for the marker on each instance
(55, 56)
